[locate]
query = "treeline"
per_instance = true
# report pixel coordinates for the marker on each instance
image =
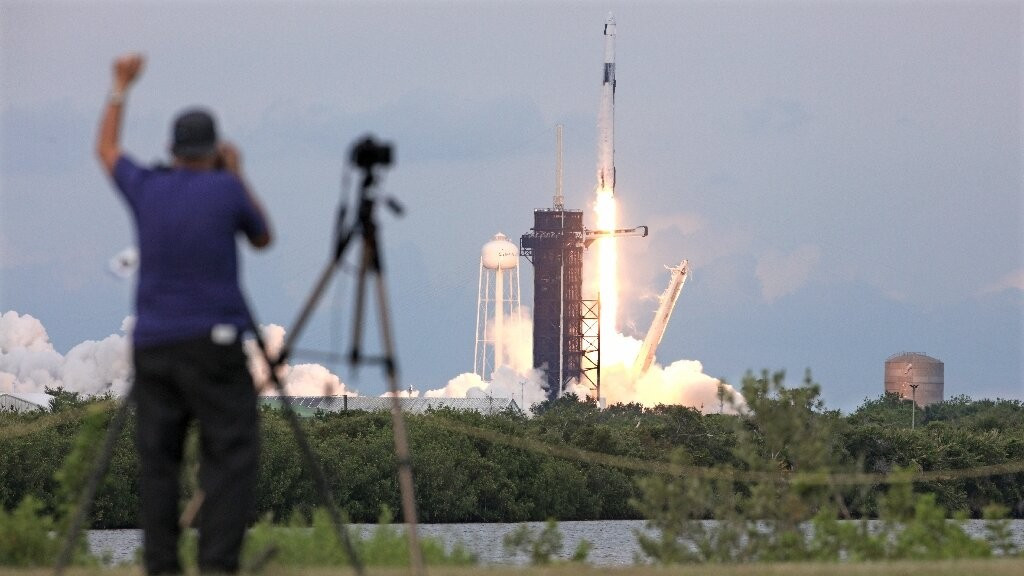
(570, 461)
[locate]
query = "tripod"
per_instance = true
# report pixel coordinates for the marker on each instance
(366, 155)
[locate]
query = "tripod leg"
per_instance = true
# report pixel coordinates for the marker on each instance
(93, 483)
(307, 454)
(401, 437)
(314, 298)
(366, 263)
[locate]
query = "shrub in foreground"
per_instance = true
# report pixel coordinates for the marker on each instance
(316, 544)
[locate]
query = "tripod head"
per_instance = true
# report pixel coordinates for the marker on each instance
(367, 155)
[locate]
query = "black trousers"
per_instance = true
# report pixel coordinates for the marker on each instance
(208, 382)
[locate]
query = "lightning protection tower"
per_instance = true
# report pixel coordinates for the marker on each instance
(497, 301)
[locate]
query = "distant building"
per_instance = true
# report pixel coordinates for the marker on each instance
(309, 405)
(915, 376)
(24, 401)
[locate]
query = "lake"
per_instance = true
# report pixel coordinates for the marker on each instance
(614, 541)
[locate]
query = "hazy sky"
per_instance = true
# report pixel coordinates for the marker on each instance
(845, 178)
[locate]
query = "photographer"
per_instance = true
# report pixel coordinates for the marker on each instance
(190, 317)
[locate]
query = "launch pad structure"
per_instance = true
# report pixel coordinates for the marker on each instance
(555, 248)
(566, 327)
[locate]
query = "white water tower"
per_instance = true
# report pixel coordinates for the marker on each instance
(497, 300)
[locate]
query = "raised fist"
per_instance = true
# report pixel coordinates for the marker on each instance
(127, 68)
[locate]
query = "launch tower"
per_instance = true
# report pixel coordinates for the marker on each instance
(555, 248)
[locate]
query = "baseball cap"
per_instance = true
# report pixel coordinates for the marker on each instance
(195, 134)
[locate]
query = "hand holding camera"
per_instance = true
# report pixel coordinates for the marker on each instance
(229, 158)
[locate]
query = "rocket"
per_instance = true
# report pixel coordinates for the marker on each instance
(606, 115)
(667, 303)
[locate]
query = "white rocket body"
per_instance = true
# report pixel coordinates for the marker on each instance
(667, 304)
(606, 116)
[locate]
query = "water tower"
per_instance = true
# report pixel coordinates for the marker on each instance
(497, 301)
(915, 376)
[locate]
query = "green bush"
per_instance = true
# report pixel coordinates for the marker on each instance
(302, 544)
(542, 547)
(509, 468)
(26, 536)
(784, 508)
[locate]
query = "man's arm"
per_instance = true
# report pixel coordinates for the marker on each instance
(231, 159)
(108, 147)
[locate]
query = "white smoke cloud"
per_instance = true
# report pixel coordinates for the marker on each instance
(517, 341)
(22, 332)
(525, 388)
(298, 380)
(99, 367)
(312, 380)
(514, 378)
(681, 382)
(29, 363)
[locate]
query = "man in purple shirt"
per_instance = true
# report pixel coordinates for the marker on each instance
(190, 316)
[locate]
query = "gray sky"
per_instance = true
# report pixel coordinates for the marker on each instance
(845, 178)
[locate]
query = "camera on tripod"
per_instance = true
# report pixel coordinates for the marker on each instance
(367, 153)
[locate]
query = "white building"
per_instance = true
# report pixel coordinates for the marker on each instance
(307, 405)
(24, 401)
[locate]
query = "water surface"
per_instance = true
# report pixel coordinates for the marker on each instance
(613, 541)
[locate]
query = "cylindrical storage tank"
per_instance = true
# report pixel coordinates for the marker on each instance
(499, 253)
(916, 376)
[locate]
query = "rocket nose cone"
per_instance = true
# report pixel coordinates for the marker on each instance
(609, 25)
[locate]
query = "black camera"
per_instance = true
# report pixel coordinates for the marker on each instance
(366, 154)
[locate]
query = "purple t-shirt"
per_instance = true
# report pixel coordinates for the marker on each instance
(187, 223)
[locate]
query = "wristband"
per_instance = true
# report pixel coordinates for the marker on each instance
(115, 97)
